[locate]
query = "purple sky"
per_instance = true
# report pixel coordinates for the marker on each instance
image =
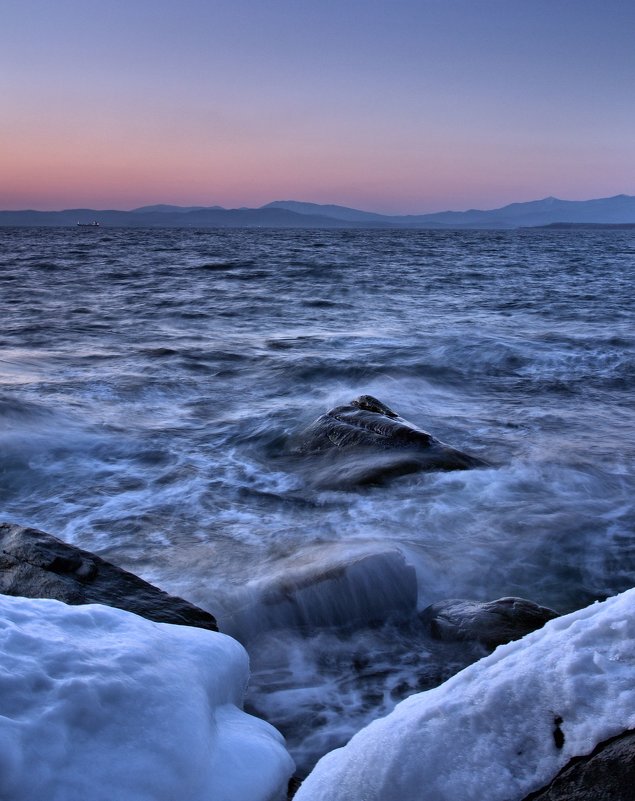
(402, 106)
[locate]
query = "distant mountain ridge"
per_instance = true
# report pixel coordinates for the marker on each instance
(329, 210)
(617, 210)
(549, 210)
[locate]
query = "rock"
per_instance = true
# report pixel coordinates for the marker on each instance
(492, 623)
(606, 774)
(346, 590)
(368, 442)
(34, 564)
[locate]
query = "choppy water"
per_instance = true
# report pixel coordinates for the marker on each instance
(151, 380)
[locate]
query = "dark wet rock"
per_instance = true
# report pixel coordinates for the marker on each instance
(606, 774)
(293, 786)
(492, 623)
(34, 564)
(345, 591)
(365, 442)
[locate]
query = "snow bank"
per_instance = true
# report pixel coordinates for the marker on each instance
(503, 726)
(98, 704)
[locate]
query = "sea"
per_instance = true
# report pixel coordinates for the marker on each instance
(153, 383)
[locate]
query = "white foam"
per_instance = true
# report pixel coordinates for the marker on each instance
(490, 729)
(99, 704)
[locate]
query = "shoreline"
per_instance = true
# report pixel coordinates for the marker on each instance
(75, 574)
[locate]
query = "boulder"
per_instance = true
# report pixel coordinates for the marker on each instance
(606, 774)
(34, 564)
(366, 442)
(492, 623)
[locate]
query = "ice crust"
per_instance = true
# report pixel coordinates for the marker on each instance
(492, 731)
(98, 704)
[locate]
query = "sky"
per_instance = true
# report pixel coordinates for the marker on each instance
(396, 106)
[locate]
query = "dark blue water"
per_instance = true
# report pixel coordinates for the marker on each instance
(151, 381)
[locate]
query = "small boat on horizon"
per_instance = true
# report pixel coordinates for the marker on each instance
(93, 224)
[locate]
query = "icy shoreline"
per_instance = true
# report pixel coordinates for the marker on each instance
(505, 725)
(96, 702)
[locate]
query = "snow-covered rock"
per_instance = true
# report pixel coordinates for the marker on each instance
(34, 564)
(503, 726)
(98, 704)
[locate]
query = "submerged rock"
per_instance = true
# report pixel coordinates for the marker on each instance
(492, 623)
(34, 564)
(365, 442)
(606, 774)
(333, 590)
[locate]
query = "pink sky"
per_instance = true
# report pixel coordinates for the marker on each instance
(412, 107)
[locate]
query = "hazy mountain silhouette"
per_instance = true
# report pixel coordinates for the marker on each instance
(338, 212)
(196, 218)
(618, 210)
(166, 209)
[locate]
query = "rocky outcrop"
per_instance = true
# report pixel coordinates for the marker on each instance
(606, 774)
(365, 442)
(492, 623)
(34, 564)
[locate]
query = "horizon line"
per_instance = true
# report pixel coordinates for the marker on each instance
(218, 207)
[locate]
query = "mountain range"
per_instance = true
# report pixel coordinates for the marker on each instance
(618, 210)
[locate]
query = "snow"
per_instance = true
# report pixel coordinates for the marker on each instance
(99, 704)
(489, 731)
